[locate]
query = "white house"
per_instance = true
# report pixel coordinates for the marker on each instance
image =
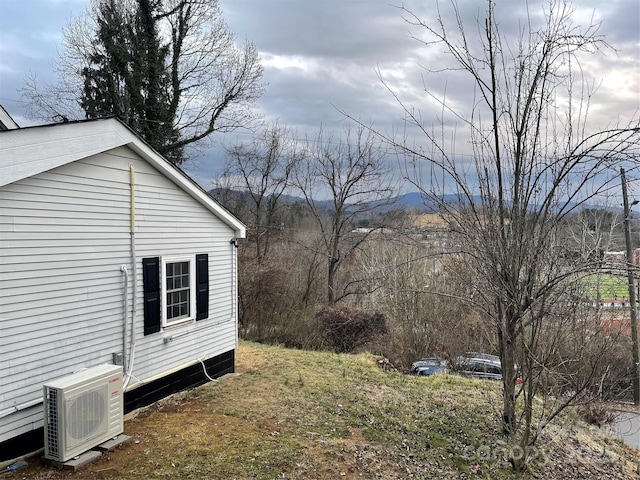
(109, 255)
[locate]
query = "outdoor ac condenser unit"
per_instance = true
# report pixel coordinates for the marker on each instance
(81, 411)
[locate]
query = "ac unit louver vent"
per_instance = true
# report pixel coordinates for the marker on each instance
(51, 435)
(82, 410)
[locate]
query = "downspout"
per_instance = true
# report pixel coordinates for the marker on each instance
(132, 234)
(234, 281)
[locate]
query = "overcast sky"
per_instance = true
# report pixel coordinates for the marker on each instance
(323, 56)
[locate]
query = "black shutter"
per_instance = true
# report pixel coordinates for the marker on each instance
(151, 282)
(202, 286)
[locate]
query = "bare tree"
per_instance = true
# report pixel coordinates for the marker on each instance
(410, 265)
(592, 231)
(210, 83)
(533, 162)
(345, 178)
(262, 169)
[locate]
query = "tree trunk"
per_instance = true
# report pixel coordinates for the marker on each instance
(506, 337)
(331, 275)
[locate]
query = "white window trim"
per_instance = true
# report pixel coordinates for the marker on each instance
(192, 289)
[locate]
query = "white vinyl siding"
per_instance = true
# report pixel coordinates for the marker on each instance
(64, 237)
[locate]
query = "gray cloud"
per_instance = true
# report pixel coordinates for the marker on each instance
(322, 57)
(363, 31)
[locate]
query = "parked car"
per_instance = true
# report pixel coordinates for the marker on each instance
(429, 366)
(481, 365)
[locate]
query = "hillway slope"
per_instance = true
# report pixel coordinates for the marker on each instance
(310, 415)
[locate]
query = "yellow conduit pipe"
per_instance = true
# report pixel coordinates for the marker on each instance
(132, 231)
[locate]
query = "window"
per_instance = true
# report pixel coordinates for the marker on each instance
(476, 367)
(176, 290)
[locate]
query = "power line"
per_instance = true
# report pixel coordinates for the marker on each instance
(4, 99)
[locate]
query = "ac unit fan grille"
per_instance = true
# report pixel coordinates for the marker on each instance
(86, 415)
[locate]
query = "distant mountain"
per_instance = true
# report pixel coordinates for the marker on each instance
(417, 202)
(411, 200)
(407, 201)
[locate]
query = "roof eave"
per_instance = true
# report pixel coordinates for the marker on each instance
(36, 149)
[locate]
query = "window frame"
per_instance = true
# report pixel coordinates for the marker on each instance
(191, 317)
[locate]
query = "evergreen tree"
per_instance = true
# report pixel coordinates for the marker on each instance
(105, 80)
(170, 69)
(126, 75)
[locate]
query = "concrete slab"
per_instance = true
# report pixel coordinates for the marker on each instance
(113, 443)
(90, 455)
(79, 461)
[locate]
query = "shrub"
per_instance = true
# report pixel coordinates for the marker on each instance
(597, 413)
(347, 328)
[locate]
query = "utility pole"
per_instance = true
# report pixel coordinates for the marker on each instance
(632, 291)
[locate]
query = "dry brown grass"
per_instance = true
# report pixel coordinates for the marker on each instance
(309, 415)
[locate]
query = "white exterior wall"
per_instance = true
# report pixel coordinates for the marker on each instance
(64, 236)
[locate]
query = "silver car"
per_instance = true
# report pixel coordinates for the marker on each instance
(479, 365)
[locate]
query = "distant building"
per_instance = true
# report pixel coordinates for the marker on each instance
(617, 259)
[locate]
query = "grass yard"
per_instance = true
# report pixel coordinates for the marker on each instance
(607, 287)
(294, 414)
